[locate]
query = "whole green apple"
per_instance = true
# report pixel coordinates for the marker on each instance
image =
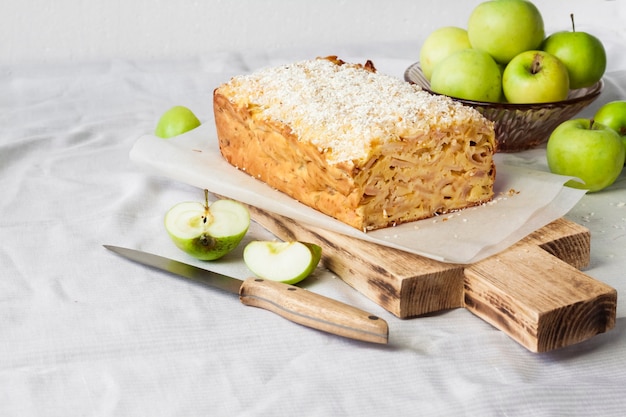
(587, 150)
(582, 53)
(505, 28)
(535, 77)
(207, 231)
(288, 262)
(613, 115)
(176, 121)
(440, 44)
(468, 74)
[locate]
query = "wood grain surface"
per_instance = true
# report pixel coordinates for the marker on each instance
(534, 291)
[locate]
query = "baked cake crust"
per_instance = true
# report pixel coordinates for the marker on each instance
(368, 149)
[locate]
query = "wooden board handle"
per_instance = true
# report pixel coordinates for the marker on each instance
(532, 291)
(313, 310)
(537, 299)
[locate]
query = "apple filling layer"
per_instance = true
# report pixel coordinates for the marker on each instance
(365, 148)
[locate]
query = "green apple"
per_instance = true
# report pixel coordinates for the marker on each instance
(468, 74)
(287, 262)
(535, 77)
(505, 28)
(207, 231)
(587, 150)
(175, 121)
(440, 44)
(582, 53)
(613, 115)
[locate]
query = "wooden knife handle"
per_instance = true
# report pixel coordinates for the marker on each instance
(313, 310)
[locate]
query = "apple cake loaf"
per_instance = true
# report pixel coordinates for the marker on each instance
(365, 148)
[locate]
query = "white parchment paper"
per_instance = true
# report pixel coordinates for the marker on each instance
(525, 200)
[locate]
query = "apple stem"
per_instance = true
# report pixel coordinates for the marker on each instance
(571, 16)
(535, 67)
(207, 213)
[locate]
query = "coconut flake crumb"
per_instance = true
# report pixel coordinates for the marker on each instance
(343, 109)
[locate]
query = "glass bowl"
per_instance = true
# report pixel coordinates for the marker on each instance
(520, 127)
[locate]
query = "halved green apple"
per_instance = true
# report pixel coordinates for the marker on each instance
(176, 121)
(207, 231)
(287, 262)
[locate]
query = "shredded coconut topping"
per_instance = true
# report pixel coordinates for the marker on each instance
(343, 109)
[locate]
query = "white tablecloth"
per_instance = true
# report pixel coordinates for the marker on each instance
(85, 333)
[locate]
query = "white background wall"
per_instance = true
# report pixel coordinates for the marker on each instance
(81, 30)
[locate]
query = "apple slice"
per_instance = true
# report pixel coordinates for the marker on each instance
(287, 262)
(176, 121)
(207, 232)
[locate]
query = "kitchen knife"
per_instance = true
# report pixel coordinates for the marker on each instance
(293, 303)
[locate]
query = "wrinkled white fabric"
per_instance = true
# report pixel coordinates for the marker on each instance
(464, 237)
(84, 332)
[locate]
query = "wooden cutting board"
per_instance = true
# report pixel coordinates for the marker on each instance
(533, 291)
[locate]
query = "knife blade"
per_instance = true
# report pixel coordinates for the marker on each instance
(288, 301)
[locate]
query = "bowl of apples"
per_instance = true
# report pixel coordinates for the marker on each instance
(521, 126)
(505, 66)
